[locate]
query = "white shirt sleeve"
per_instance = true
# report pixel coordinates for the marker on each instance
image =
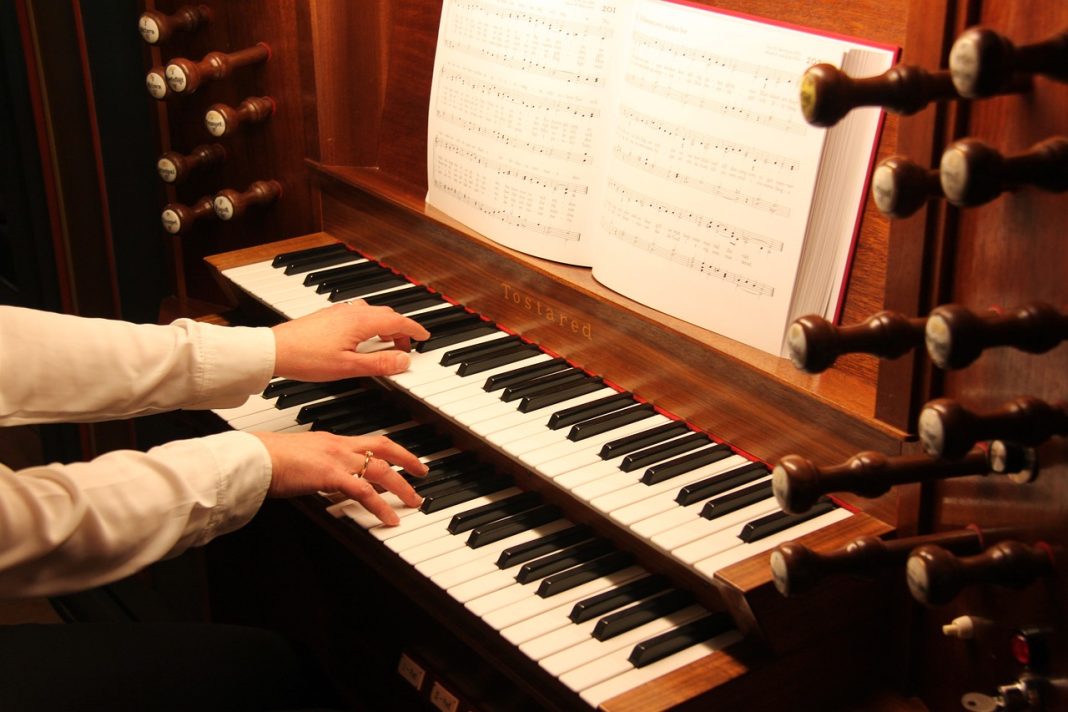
(61, 368)
(71, 527)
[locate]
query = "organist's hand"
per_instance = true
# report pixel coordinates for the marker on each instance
(304, 463)
(322, 345)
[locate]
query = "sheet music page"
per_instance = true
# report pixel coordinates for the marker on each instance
(517, 108)
(711, 170)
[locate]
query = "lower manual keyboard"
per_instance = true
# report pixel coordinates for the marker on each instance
(704, 505)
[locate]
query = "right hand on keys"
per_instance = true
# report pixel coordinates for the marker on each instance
(316, 461)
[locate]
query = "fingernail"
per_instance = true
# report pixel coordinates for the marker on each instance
(400, 361)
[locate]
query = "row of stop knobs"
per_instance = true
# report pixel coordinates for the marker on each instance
(225, 205)
(185, 76)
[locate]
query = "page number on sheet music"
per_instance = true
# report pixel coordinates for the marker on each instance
(442, 699)
(411, 672)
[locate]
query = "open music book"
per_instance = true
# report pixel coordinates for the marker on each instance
(661, 144)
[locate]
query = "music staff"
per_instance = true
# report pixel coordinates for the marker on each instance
(508, 217)
(723, 230)
(507, 171)
(647, 163)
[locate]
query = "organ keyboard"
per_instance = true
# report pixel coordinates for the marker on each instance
(588, 611)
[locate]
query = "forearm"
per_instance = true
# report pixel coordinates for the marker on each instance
(60, 368)
(71, 527)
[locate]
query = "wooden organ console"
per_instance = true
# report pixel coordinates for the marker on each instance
(342, 160)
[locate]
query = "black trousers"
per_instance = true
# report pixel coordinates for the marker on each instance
(155, 666)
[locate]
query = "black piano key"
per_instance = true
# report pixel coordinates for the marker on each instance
(276, 388)
(524, 373)
(437, 502)
(778, 521)
(440, 340)
(479, 516)
(612, 599)
(362, 423)
(441, 320)
(342, 405)
(281, 260)
(717, 484)
(553, 396)
(361, 276)
(585, 411)
(563, 560)
(567, 580)
(401, 297)
(300, 265)
(685, 636)
(443, 469)
(324, 280)
(455, 356)
(457, 479)
(725, 504)
(610, 421)
(480, 365)
(637, 441)
(509, 526)
(687, 463)
(341, 294)
(413, 435)
(448, 463)
(541, 384)
(663, 451)
(315, 391)
(421, 440)
(641, 613)
(430, 300)
(530, 550)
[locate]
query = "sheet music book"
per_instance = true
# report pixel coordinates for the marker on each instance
(660, 144)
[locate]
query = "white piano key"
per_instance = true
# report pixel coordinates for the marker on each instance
(659, 514)
(467, 563)
(575, 656)
(637, 492)
(532, 605)
(708, 567)
(554, 461)
(699, 527)
(634, 677)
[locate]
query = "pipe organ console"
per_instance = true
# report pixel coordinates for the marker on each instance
(617, 498)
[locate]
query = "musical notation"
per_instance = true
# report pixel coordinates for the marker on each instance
(690, 140)
(509, 171)
(690, 261)
(506, 216)
(649, 164)
(732, 234)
